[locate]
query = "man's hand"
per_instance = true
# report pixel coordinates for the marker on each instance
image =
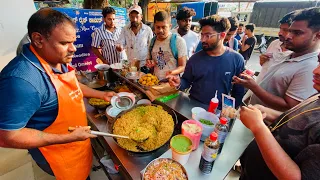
(119, 47)
(262, 110)
(252, 118)
(174, 81)
(108, 95)
(264, 58)
(150, 63)
(168, 73)
(245, 80)
(81, 134)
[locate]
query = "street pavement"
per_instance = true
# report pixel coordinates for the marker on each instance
(253, 63)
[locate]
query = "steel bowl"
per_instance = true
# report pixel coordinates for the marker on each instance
(163, 159)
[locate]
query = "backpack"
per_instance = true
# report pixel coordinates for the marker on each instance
(173, 46)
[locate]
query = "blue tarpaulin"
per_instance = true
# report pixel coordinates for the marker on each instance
(197, 6)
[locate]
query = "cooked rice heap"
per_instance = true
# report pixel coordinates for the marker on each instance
(144, 121)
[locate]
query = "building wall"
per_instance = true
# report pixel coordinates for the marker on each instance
(14, 15)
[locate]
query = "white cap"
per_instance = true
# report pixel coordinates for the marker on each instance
(135, 8)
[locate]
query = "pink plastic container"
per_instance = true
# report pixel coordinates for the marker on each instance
(195, 138)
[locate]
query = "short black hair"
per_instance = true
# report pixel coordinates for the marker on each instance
(287, 19)
(234, 23)
(218, 23)
(311, 15)
(161, 16)
(45, 20)
(250, 27)
(108, 10)
(185, 13)
(241, 24)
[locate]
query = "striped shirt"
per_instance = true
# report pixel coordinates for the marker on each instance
(106, 40)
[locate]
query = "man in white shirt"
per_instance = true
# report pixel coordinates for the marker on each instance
(184, 19)
(135, 37)
(276, 51)
(287, 84)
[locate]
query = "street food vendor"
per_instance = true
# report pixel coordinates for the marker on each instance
(168, 52)
(41, 98)
(212, 69)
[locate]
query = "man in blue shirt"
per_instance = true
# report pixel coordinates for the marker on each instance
(212, 68)
(229, 40)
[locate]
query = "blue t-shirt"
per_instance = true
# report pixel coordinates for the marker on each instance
(28, 97)
(206, 74)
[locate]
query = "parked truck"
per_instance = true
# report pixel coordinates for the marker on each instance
(266, 14)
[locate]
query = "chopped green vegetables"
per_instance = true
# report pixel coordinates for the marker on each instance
(206, 122)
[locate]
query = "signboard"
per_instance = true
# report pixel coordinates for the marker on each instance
(87, 20)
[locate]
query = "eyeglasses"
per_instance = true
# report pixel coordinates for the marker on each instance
(208, 36)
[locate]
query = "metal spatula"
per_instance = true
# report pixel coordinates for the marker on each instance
(101, 133)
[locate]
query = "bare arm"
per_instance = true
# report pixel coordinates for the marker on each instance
(245, 47)
(92, 93)
(99, 55)
(181, 66)
(278, 103)
(278, 161)
(271, 114)
(27, 138)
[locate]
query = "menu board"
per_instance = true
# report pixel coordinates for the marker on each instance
(87, 20)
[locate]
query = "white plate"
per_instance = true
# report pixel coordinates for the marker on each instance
(102, 67)
(144, 101)
(116, 66)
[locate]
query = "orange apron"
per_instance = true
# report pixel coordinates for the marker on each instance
(71, 161)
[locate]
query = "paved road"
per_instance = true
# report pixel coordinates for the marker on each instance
(253, 62)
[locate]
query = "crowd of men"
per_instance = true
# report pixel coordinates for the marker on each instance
(284, 96)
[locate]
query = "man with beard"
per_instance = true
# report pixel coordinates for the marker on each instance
(212, 69)
(46, 98)
(135, 37)
(289, 148)
(229, 40)
(105, 38)
(184, 19)
(276, 50)
(286, 84)
(168, 52)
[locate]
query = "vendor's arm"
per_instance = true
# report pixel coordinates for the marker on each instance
(182, 56)
(92, 93)
(95, 44)
(277, 160)
(279, 103)
(17, 109)
(27, 138)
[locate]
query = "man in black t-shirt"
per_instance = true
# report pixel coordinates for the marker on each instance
(248, 42)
